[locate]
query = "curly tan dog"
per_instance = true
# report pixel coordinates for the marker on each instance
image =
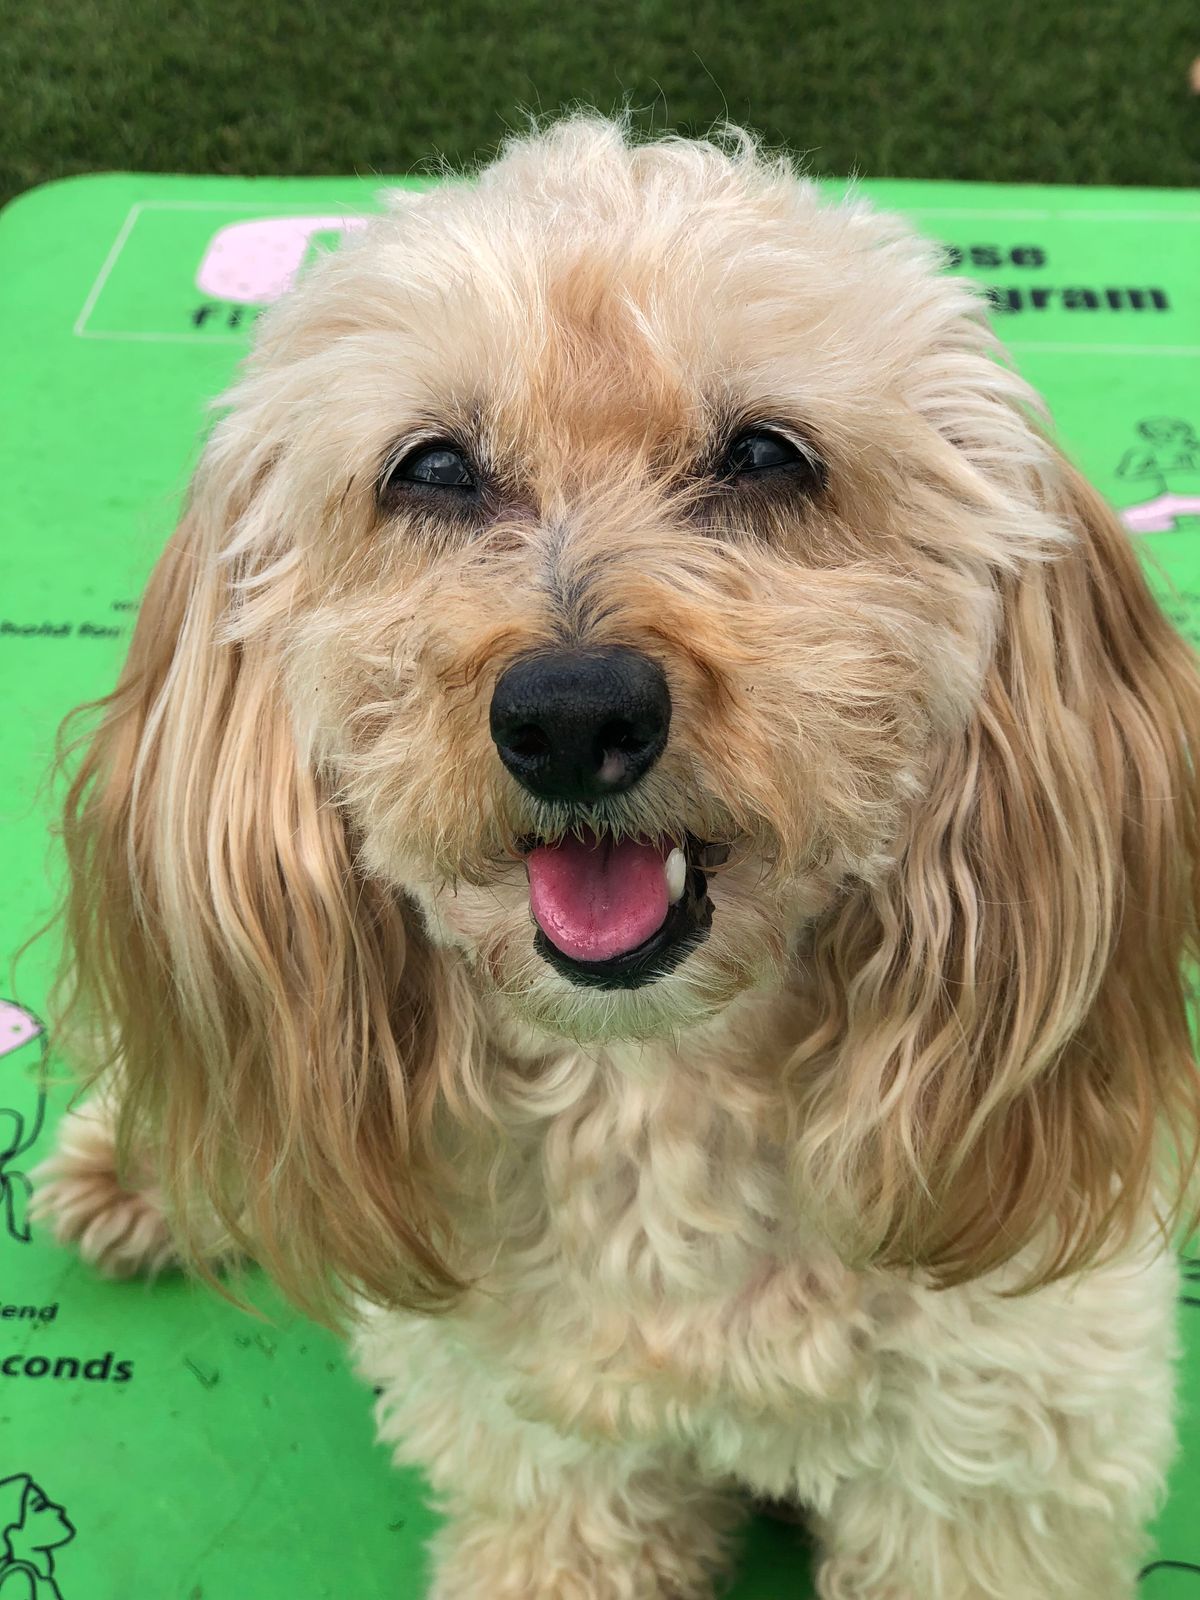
(647, 840)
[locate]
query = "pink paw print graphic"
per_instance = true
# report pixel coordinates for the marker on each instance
(1159, 515)
(18, 1028)
(256, 261)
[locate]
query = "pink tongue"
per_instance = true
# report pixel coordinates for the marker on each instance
(597, 900)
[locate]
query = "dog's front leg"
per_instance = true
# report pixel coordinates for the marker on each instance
(607, 1528)
(885, 1543)
(533, 1513)
(1018, 1449)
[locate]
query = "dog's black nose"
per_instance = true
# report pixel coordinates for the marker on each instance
(581, 724)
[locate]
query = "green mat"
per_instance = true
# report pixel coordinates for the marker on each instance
(154, 1441)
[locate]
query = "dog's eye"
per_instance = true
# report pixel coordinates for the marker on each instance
(762, 450)
(433, 466)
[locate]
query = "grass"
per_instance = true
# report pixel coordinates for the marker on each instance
(1009, 90)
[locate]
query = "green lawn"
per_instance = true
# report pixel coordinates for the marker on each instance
(994, 89)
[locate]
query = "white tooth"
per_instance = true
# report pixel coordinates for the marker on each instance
(676, 875)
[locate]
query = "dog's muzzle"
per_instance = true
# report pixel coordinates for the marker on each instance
(575, 727)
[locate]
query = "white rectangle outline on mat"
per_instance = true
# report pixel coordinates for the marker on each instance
(262, 209)
(1041, 214)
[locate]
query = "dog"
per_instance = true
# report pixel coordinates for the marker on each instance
(645, 856)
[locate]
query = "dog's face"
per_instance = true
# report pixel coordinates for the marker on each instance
(637, 583)
(619, 584)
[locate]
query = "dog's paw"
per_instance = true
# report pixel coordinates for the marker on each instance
(121, 1230)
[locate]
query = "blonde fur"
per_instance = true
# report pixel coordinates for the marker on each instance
(865, 1204)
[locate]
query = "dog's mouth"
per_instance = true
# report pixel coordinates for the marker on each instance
(618, 913)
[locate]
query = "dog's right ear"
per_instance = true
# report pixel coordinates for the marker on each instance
(276, 1022)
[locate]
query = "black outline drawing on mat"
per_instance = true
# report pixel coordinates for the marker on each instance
(31, 1526)
(15, 1187)
(1191, 1280)
(1155, 1566)
(1170, 451)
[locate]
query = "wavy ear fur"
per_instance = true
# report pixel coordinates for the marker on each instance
(1007, 1063)
(274, 1018)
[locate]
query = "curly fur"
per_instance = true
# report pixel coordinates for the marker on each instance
(865, 1204)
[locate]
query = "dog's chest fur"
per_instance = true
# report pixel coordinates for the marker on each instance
(642, 1263)
(644, 1276)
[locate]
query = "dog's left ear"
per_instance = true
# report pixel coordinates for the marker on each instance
(271, 1022)
(1013, 1072)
